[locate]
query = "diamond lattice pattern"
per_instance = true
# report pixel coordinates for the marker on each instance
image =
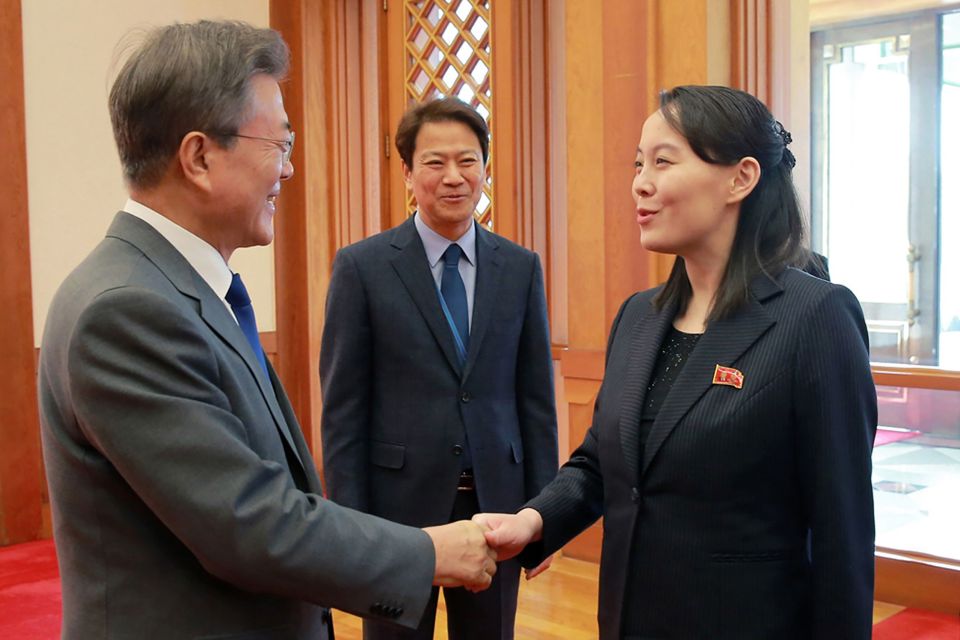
(448, 54)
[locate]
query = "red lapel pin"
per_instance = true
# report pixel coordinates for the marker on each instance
(728, 376)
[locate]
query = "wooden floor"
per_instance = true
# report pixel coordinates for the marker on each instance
(560, 604)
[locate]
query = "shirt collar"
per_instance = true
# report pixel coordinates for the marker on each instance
(435, 244)
(201, 255)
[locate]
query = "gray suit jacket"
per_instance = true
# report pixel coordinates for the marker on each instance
(398, 407)
(185, 502)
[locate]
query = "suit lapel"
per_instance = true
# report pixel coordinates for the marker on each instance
(213, 311)
(722, 343)
(410, 263)
(485, 292)
(215, 314)
(312, 478)
(646, 336)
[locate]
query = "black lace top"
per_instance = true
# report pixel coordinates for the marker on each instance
(674, 351)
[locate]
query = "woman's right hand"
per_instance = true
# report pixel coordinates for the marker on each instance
(509, 533)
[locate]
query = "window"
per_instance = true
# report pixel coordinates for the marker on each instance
(916, 471)
(886, 212)
(886, 181)
(448, 54)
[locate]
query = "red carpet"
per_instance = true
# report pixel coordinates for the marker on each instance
(30, 602)
(29, 592)
(886, 436)
(918, 625)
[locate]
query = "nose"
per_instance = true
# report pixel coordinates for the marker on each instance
(287, 172)
(642, 187)
(452, 174)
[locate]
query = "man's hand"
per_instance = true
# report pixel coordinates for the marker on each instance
(463, 557)
(509, 533)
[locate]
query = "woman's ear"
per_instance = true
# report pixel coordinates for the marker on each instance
(746, 175)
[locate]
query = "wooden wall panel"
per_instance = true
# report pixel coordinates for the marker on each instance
(626, 104)
(586, 208)
(750, 50)
(296, 341)
(680, 31)
(20, 472)
(582, 371)
(518, 84)
(507, 59)
(338, 193)
(618, 55)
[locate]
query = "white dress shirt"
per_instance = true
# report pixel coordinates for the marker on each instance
(201, 255)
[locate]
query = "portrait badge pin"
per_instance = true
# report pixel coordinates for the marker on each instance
(728, 376)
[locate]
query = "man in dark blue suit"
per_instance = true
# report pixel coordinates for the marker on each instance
(435, 364)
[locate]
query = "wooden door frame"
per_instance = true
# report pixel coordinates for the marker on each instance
(21, 482)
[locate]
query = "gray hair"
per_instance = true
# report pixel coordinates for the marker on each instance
(183, 78)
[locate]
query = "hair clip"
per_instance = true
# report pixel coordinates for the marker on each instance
(783, 133)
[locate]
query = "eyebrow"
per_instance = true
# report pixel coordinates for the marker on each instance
(431, 152)
(663, 145)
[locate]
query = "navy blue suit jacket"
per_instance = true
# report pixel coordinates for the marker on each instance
(398, 408)
(750, 514)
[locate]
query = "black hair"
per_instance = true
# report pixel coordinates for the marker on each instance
(723, 126)
(439, 110)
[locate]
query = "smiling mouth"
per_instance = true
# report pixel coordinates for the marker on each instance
(645, 215)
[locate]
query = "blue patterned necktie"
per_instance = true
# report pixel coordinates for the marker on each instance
(239, 301)
(454, 293)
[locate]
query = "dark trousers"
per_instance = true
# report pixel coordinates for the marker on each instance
(487, 615)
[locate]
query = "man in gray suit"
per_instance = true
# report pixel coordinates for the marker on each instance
(435, 364)
(185, 501)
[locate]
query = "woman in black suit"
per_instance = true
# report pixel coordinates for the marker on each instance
(730, 448)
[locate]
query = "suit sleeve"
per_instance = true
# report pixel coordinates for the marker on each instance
(836, 411)
(345, 375)
(535, 397)
(148, 396)
(574, 499)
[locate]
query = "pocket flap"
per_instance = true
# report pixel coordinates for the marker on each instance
(387, 454)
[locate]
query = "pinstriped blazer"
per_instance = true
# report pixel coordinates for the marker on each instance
(750, 514)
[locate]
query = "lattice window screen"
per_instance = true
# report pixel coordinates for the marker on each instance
(448, 54)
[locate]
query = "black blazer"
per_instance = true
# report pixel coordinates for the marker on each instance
(751, 512)
(397, 404)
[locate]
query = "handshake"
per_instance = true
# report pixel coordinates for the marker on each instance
(467, 551)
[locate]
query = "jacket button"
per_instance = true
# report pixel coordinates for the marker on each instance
(465, 396)
(376, 608)
(635, 495)
(457, 450)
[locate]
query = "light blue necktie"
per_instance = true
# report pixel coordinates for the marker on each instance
(454, 293)
(239, 301)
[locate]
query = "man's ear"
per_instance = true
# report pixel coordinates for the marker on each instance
(195, 156)
(746, 175)
(407, 174)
